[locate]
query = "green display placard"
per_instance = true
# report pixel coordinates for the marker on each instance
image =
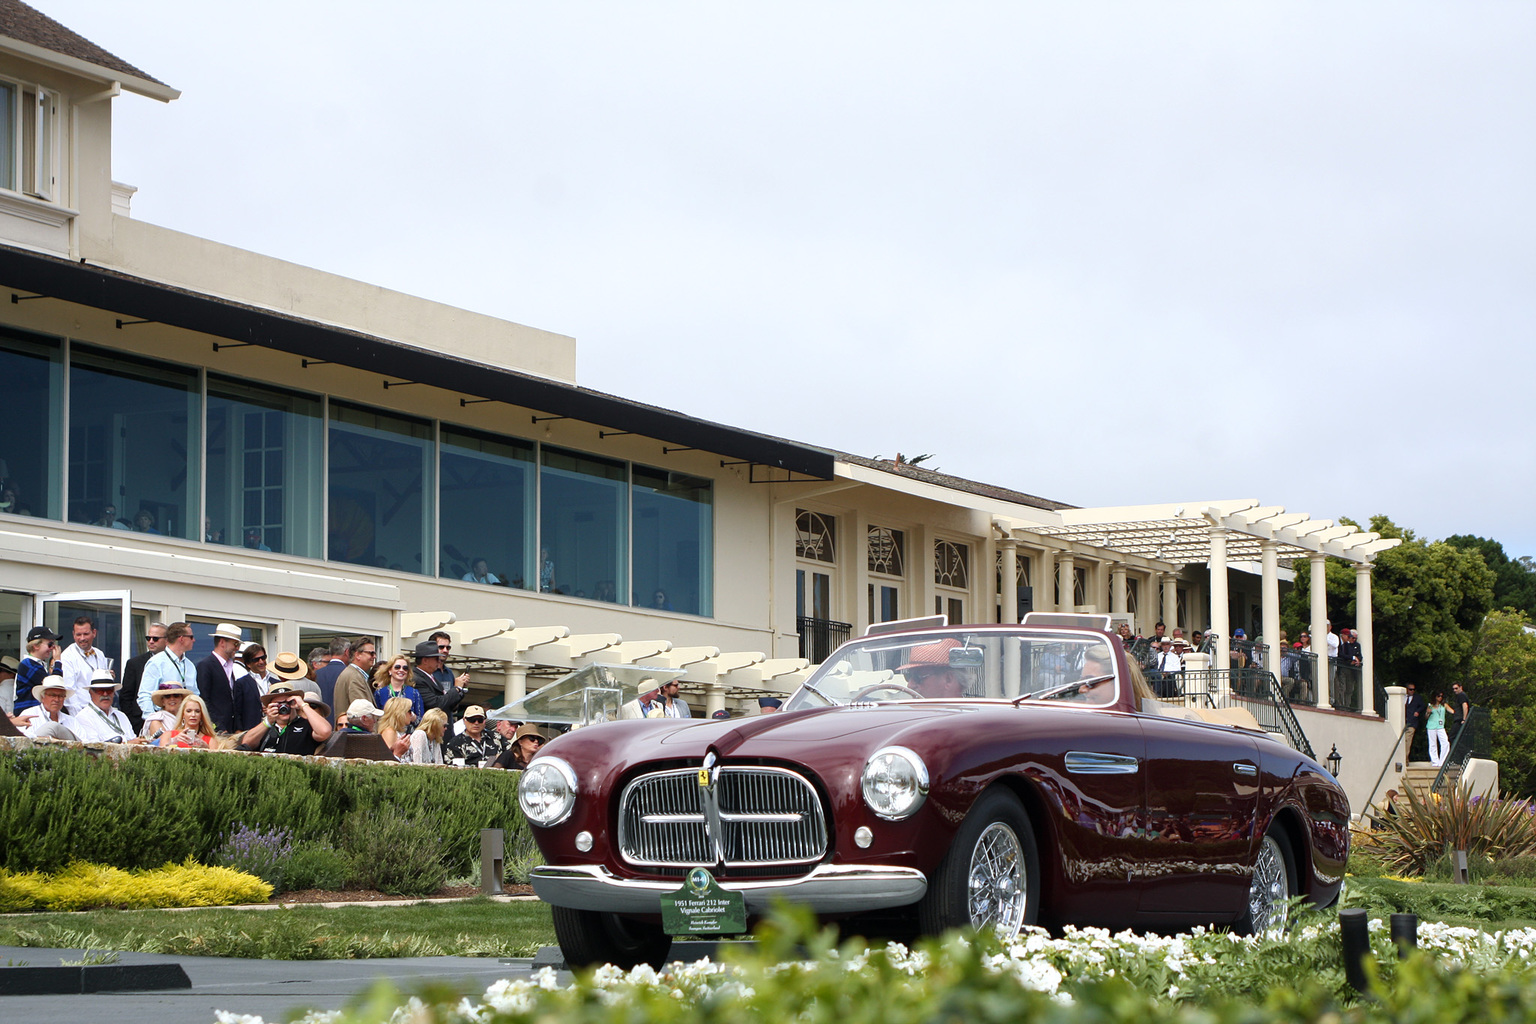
(701, 907)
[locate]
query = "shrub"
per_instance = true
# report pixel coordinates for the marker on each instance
(264, 853)
(1427, 828)
(394, 853)
(316, 866)
(81, 886)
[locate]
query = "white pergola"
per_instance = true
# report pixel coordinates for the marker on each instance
(516, 651)
(1218, 532)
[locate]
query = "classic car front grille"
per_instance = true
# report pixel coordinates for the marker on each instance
(770, 816)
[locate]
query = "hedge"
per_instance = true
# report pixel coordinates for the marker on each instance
(149, 808)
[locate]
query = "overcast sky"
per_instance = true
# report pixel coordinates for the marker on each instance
(1103, 253)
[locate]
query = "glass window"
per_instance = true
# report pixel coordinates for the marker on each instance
(487, 487)
(583, 549)
(133, 442)
(887, 551)
(380, 479)
(202, 637)
(264, 469)
(673, 541)
(815, 536)
(33, 370)
(951, 564)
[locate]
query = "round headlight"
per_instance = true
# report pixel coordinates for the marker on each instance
(895, 782)
(547, 791)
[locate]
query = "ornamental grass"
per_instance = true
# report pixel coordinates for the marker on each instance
(1426, 829)
(82, 886)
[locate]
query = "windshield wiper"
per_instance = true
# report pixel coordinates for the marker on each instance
(1063, 689)
(823, 696)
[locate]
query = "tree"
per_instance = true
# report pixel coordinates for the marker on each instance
(1428, 599)
(1514, 579)
(1501, 677)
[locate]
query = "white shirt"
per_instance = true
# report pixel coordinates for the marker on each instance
(1333, 645)
(40, 717)
(1170, 661)
(92, 726)
(78, 667)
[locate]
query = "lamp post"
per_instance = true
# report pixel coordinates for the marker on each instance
(1333, 759)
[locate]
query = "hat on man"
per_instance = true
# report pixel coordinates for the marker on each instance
(283, 692)
(1180, 642)
(427, 649)
(769, 702)
(165, 690)
(528, 729)
(1239, 634)
(722, 713)
(934, 655)
(53, 683)
(227, 631)
(363, 708)
(474, 711)
(103, 679)
(8, 663)
(288, 666)
(41, 633)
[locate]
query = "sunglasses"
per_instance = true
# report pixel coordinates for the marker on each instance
(444, 648)
(475, 718)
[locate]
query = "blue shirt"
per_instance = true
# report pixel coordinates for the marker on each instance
(165, 667)
(28, 674)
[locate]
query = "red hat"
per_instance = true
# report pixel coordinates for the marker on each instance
(934, 655)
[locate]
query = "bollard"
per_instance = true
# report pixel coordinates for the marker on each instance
(492, 843)
(1459, 872)
(1356, 939)
(1405, 933)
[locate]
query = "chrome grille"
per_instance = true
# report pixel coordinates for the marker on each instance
(770, 816)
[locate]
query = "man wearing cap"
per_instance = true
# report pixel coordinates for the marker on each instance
(354, 682)
(930, 674)
(168, 700)
(721, 715)
(474, 746)
(99, 721)
(293, 725)
(40, 663)
(171, 665)
(48, 719)
(133, 674)
(81, 661)
(526, 743)
(434, 694)
(233, 703)
(768, 705)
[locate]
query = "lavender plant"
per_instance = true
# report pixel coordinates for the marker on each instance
(264, 853)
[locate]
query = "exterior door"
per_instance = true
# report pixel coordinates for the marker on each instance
(884, 602)
(111, 610)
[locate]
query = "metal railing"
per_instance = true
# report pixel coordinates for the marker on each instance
(1473, 739)
(820, 637)
(1252, 689)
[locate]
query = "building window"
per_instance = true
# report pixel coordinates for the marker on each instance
(1132, 595)
(27, 139)
(487, 487)
(674, 530)
(380, 477)
(584, 526)
(951, 565)
(33, 370)
(264, 472)
(815, 537)
(887, 552)
(1080, 585)
(133, 442)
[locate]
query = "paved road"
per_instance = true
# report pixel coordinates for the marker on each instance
(271, 988)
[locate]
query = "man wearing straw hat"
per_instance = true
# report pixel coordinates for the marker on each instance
(47, 718)
(233, 703)
(99, 721)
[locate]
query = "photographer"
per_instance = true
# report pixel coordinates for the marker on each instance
(292, 725)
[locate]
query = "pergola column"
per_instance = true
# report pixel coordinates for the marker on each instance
(515, 686)
(1008, 549)
(1319, 589)
(1066, 582)
(1169, 584)
(1218, 574)
(1269, 599)
(1117, 601)
(1363, 615)
(1043, 581)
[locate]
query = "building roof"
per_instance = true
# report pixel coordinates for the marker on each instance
(958, 483)
(34, 29)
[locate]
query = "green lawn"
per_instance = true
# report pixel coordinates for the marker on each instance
(475, 927)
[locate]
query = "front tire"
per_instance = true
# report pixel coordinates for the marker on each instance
(991, 875)
(589, 938)
(1273, 885)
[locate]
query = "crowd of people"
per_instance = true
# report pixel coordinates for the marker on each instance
(407, 707)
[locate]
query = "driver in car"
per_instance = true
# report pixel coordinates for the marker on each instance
(930, 674)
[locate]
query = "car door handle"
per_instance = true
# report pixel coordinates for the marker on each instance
(1090, 762)
(1244, 768)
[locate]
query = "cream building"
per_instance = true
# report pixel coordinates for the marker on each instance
(198, 432)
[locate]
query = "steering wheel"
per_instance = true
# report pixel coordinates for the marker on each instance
(884, 685)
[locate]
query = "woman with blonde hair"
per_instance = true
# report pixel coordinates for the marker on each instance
(192, 727)
(392, 679)
(395, 725)
(427, 740)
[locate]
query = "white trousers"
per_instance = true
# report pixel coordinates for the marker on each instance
(1439, 746)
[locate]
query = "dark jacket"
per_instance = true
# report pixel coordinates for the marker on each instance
(230, 711)
(325, 678)
(434, 694)
(1416, 709)
(1350, 655)
(128, 699)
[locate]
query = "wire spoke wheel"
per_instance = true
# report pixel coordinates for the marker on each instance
(1270, 890)
(998, 882)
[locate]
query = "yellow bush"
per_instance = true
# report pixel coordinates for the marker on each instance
(81, 886)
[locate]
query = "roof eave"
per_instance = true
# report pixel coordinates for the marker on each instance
(87, 70)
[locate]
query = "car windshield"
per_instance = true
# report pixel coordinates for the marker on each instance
(959, 664)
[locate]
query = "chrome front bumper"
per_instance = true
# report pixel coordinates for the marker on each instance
(828, 889)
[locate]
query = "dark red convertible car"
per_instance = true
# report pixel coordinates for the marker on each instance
(972, 775)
